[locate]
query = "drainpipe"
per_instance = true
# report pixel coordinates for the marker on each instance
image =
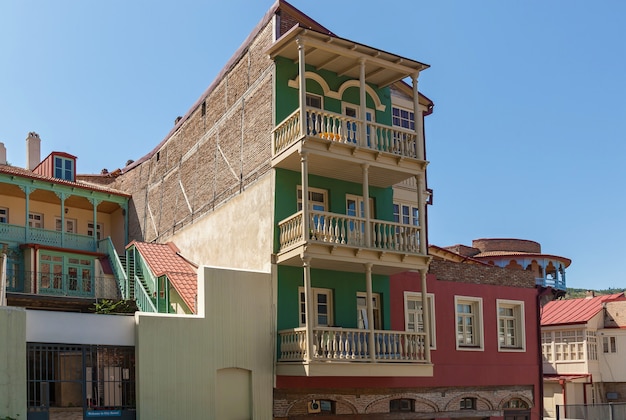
(563, 383)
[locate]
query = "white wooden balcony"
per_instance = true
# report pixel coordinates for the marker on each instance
(338, 145)
(341, 241)
(346, 350)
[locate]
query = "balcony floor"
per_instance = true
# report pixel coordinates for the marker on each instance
(344, 161)
(354, 369)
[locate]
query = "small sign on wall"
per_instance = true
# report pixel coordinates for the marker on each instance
(104, 413)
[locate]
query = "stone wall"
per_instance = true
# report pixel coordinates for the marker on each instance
(481, 274)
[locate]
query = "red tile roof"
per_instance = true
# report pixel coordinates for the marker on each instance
(165, 259)
(14, 170)
(575, 311)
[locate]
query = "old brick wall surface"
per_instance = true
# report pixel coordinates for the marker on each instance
(481, 274)
(374, 402)
(215, 152)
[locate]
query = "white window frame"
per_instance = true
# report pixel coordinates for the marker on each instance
(70, 225)
(313, 204)
(412, 213)
(519, 329)
(316, 291)
(417, 296)
(361, 311)
(609, 344)
(358, 201)
(310, 97)
(63, 168)
(4, 215)
(99, 229)
(35, 220)
(476, 304)
(409, 119)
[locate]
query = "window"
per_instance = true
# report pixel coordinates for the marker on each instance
(609, 345)
(468, 404)
(592, 345)
(98, 230)
(361, 310)
(322, 307)
(406, 214)
(511, 334)
(35, 220)
(468, 323)
(65, 275)
(403, 118)
(64, 168)
(355, 206)
(401, 405)
(318, 199)
(4, 215)
(353, 111)
(313, 101)
(414, 315)
(70, 225)
(569, 345)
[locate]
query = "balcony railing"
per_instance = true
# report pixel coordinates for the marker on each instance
(342, 129)
(105, 246)
(344, 344)
(58, 284)
(39, 236)
(557, 283)
(349, 231)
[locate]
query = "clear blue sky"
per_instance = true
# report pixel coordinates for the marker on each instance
(527, 140)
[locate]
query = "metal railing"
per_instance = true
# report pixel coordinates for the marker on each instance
(62, 284)
(609, 411)
(143, 299)
(105, 246)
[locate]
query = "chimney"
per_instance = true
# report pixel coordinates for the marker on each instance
(3, 154)
(590, 294)
(33, 150)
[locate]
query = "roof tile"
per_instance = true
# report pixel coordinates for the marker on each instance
(575, 311)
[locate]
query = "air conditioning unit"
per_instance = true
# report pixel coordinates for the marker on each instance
(314, 407)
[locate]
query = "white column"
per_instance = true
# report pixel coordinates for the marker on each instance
(419, 123)
(306, 217)
(308, 308)
(421, 206)
(302, 86)
(371, 343)
(363, 107)
(425, 316)
(366, 206)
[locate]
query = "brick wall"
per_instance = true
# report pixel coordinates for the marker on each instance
(518, 245)
(212, 155)
(480, 274)
(374, 402)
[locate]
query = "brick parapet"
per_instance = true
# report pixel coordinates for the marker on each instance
(481, 274)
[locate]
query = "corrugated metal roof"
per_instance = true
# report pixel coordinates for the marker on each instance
(164, 259)
(575, 311)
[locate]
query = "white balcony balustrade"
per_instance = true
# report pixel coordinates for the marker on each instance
(345, 344)
(349, 231)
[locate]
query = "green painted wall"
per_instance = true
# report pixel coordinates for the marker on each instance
(13, 362)
(344, 286)
(287, 97)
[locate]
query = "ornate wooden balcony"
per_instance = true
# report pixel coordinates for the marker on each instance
(341, 240)
(329, 138)
(55, 238)
(339, 347)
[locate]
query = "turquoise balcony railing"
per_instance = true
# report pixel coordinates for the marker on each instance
(105, 246)
(58, 284)
(16, 233)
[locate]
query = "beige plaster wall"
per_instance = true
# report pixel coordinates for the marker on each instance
(182, 360)
(238, 234)
(12, 362)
